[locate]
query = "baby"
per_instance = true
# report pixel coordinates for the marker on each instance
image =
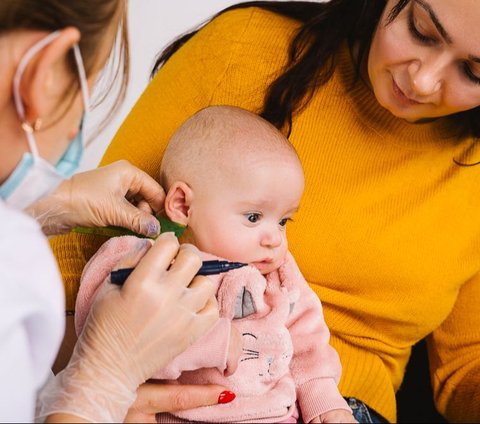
(235, 181)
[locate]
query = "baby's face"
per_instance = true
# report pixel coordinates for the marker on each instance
(243, 217)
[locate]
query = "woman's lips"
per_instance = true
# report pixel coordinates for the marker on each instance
(402, 97)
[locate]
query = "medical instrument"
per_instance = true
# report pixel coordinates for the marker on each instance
(213, 267)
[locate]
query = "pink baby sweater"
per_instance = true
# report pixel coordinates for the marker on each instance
(286, 352)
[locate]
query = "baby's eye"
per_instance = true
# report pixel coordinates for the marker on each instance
(253, 217)
(283, 222)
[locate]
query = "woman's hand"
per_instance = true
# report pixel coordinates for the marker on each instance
(117, 194)
(133, 331)
(153, 398)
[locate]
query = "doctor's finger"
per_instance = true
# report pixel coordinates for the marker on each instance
(153, 267)
(123, 213)
(200, 292)
(210, 310)
(136, 252)
(141, 185)
(145, 207)
(186, 264)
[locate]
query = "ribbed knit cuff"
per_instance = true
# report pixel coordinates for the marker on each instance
(318, 396)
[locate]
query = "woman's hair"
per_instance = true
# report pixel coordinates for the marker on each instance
(324, 27)
(91, 17)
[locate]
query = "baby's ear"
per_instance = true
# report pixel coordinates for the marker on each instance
(178, 201)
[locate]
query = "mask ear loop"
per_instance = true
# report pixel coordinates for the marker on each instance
(27, 127)
(83, 77)
(32, 51)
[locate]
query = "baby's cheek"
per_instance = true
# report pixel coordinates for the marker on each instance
(236, 253)
(226, 246)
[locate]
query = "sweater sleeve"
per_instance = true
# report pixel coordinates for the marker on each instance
(199, 74)
(454, 355)
(315, 365)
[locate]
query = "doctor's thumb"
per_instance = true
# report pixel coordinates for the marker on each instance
(137, 220)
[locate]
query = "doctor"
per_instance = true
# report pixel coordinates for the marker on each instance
(51, 52)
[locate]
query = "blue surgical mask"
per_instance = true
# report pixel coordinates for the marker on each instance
(35, 177)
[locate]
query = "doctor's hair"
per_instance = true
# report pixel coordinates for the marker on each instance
(312, 55)
(92, 18)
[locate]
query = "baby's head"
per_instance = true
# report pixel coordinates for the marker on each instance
(234, 180)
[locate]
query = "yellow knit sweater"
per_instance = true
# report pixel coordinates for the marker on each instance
(388, 232)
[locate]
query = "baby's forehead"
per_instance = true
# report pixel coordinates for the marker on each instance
(265, 142)
(263, 179)
(244, 162)
(219, 141)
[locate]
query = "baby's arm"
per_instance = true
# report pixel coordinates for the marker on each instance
(315, 364)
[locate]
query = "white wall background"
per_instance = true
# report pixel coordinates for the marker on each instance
(152, 25)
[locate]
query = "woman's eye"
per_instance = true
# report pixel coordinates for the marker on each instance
(283, 222)
(253, 217)
(416, 33)
(469, 73)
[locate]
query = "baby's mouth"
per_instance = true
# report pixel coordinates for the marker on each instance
(264, 265)
(265, 261)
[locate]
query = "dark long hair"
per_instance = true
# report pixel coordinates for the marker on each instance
(324, 27)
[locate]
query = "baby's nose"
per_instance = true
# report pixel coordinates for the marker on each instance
(272, 238)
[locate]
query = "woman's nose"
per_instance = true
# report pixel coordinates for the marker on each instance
(426, 77)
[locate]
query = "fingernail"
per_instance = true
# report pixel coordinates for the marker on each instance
(153, 228)
(168, 234)
(142, 243)
(226, 396)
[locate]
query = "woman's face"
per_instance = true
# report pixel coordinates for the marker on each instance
(426, 62)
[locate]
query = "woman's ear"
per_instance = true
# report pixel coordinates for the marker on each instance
(178, 201)
(46, 76)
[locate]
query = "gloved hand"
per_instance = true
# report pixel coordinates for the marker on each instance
(235, 350)
(117, 194)
(133, 331)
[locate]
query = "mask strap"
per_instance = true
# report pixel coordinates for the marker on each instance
(82, 76)
(31, 52)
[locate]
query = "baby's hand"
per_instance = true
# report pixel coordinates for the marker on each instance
(234, 351)
(335, 416)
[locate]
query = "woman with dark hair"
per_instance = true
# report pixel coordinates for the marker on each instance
(381, 100)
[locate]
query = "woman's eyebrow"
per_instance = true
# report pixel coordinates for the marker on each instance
(424, 5)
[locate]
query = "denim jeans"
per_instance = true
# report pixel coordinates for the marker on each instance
(362, 413)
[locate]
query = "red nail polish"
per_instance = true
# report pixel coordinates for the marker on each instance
(226, 396)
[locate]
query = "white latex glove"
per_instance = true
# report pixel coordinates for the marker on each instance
(133, 331)
(117, 194)
(235, 348)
